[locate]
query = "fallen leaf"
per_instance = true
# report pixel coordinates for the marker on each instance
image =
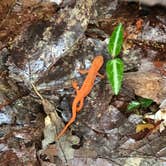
(140, 135)
(142, 127)
(144, 130)
(159, 116)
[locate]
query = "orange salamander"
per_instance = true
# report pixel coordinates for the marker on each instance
(84, 90)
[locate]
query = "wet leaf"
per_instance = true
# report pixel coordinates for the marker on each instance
(114, 70)
(133, 105)
(115, 41)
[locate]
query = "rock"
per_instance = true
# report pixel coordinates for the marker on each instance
(147, 84)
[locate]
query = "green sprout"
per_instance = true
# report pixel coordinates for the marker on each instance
(115, 66)
(141, 103)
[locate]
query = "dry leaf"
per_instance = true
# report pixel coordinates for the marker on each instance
(142, 127)
(159, 116)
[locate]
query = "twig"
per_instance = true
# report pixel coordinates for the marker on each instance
(36, 91)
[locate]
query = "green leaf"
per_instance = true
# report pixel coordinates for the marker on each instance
(133, 105)
(115, 41)
(142, 102)
(145, 102)
(114, 70)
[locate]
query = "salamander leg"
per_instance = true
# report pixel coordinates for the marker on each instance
(100, 75)
(75, 85)
(83, 71)
(81, 103)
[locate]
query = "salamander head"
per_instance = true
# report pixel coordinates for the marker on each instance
(98, 62)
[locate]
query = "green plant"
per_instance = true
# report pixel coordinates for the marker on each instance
(115, 66)
(141, 103)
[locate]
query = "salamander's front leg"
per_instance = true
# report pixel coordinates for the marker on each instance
(83, 71)
(100, 75)
(75, 86)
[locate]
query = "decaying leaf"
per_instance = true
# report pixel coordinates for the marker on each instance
(53, 124)
(159, 116)
(140, 135)
(145, 129)
(141, 127)
(49, 132)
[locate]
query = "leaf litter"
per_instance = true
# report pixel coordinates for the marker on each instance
(99, 123)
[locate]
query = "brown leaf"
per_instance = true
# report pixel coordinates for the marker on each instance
(147, 85)
(140, 135)
(142, 127)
